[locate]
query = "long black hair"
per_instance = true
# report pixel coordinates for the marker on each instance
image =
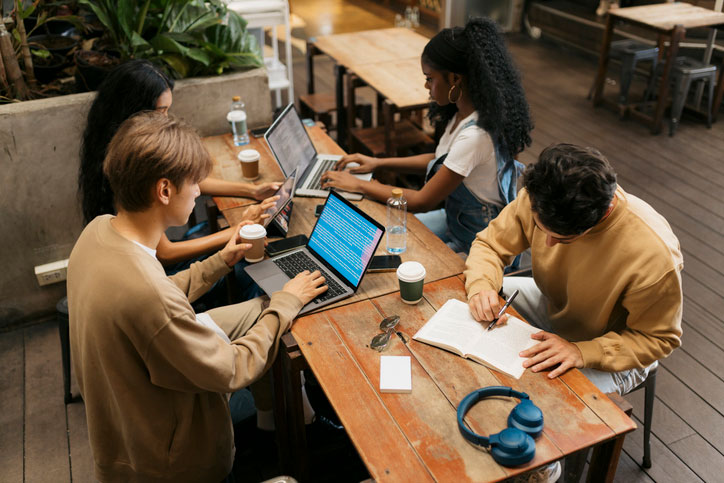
(130, 88)
(478, 52)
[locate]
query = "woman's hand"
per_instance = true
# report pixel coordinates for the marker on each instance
(234, 250)
(306, 286)
(342, 180)
(255, 213)
(363, 163)
(265, 190)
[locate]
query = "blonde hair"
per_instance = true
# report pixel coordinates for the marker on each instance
(147, 147)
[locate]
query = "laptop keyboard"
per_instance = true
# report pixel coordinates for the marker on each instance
(297, 262)
(314, 181)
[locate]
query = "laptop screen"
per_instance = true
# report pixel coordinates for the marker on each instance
(345, 238)
(290, 142)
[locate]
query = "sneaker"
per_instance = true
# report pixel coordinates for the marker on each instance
(544, 474)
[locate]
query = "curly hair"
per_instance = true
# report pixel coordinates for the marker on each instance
(570, 187)
(493, 81)
(130, 88)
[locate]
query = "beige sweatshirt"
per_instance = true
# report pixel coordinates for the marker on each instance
(615, 292)
(152, 378)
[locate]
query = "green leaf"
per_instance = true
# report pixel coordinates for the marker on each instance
(177, 63)
(167, 44)
(42, 53)
(201, 55)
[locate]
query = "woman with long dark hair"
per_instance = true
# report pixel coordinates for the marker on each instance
(479, 104)
(132, 87)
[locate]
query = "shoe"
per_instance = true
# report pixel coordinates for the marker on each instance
(324, 432)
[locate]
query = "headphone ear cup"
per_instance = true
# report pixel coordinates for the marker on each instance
(512, 447)
(527, 417)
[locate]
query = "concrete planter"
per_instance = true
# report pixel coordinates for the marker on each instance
(39, 206)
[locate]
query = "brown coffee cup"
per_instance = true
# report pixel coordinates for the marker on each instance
(254, 234)
(249, 163)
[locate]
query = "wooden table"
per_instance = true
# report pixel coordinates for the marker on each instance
(668, 20)
(403, 437)
(400, 82)
(365, 47)
(406, 437)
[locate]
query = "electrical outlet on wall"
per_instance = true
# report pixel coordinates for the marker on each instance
(52, 272)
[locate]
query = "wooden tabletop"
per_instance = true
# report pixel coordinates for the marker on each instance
(422, 245)
(404, 437)
(663, 17)
(370, 46)
(400, 81)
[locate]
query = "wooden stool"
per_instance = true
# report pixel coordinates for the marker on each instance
(405, 135)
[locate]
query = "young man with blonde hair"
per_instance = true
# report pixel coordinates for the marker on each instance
(153, 374)
(606, 286)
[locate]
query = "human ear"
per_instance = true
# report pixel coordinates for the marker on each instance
(163, 190)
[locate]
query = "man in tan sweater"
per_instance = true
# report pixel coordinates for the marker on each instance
(606, 286)
(153, 374)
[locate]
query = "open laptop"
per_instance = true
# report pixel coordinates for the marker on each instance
(293, 149)
(280, 213)
(341, 246)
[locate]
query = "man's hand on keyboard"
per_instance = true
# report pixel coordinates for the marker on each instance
(306, 285)
(342, 180)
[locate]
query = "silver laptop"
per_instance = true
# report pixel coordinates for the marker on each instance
(341, 247)
(293, 149)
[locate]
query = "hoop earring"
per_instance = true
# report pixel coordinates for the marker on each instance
(449, 95)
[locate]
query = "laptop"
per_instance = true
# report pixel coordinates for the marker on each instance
(279, 214)
(293, 149)
(341, 246)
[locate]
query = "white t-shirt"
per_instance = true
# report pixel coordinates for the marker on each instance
(471, 153)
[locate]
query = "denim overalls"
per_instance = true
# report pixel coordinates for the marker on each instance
(465, 214)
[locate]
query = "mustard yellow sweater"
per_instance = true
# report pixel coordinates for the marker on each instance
(615, 292)
(152, 378)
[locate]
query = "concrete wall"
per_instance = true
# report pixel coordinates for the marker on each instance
(39, 209)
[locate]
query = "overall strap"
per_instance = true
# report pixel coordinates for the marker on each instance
(434, 165)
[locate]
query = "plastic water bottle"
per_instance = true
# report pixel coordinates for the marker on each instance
(396, 222)
(237, 119)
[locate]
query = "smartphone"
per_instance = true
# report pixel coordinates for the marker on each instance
(318, 210)
(384, 263)
(259, 132)
(285, 245)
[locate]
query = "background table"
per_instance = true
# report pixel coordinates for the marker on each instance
(666, 19)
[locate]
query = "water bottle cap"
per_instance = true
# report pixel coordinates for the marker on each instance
(397, 193)
(236, 98)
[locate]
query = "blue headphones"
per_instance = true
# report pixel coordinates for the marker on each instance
(514, 445)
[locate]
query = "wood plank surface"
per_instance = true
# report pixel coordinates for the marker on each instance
(372, 46)
(379, 441)
(400, 81)
(46, 438)
(440, 380)
(12, 375)
(664, 16)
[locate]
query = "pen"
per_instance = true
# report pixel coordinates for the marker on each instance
(507, 304)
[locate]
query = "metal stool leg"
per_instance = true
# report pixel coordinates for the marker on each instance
(628, 64)
(677, 107)
(712, 80)
(650, 395)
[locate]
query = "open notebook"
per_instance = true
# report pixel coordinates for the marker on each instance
(454, 329)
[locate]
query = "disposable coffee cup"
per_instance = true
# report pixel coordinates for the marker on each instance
(254, 234)
(249, 163)
(412, 277)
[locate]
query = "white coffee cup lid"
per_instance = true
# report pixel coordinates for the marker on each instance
(248, 155)
(252, 232)
(411, 272)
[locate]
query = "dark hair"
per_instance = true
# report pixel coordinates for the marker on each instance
(478, 52)
(570, 188)
(150, 146)
(130, 88)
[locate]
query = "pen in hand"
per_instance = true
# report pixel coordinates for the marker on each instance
(502, 310)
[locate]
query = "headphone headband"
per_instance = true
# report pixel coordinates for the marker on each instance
(473, 398)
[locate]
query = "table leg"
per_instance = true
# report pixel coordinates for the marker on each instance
(352, 82)
(339, 71)
(294, 363)
(604, 460)
(310, 66)
(389, 114)
(676, 37)
(603, 62)
(719, 93)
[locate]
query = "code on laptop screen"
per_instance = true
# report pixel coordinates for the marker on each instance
(345, 239)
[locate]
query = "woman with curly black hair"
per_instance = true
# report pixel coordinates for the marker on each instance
(480, 106)
(132, 87)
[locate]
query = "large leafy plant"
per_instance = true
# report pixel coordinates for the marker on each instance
(191, 37)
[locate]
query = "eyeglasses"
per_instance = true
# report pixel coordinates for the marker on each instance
(387, 326)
